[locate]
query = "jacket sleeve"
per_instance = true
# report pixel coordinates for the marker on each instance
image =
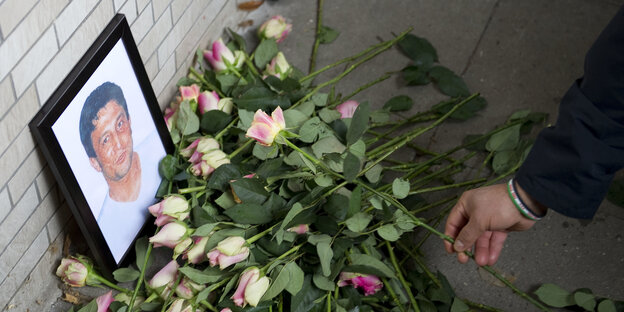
(572, 163)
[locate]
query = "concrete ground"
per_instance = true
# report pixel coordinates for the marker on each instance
(518, 55)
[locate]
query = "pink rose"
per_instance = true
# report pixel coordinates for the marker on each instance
(370, 284)
(276, 27)
(264, 129)
(347, 109)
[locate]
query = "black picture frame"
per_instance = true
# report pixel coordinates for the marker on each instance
(112, 60)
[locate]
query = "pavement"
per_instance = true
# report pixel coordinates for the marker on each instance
(518, 55)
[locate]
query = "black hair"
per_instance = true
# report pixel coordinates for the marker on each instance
(103, 94)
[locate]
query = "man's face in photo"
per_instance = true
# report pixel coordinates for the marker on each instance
(112, 142)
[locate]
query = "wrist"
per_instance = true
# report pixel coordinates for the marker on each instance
(535, 213)
(531, 203)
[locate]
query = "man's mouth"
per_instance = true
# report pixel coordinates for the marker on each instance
(121, 158)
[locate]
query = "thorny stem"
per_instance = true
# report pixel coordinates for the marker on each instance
(416, 258)
(406, 286)
(175, 285)
(258, 236)
(282, 256)
(224, 131)
(317, 37)
(191, 189)
(446, 187)
(205, 82)
(142, 274)
(480, 306)
(360, 89)
(385, 47)
(240, 149)
(351, 58)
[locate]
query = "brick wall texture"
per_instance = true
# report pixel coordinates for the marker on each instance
(40, 41)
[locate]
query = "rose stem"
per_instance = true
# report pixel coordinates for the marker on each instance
(390, 289)
(360, 89)
(222, 132)
(142, 274)
(240, 148)
(205, 82)
(110, 284)
(400, 276)
(418, 261)
(446, 187)
(317, 36)
(385, 47)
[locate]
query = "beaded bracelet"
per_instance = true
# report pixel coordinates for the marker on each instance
(515, 198)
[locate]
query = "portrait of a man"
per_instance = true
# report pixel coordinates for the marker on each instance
(129, 168)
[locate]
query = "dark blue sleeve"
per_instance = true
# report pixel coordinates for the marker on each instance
(572, 163)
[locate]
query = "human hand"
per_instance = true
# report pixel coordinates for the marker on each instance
(483, 217)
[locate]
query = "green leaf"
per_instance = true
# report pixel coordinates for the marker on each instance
(359, 123)
(296, 209)
(227, 82)
(504, 161)
(246, 117)
(478, 146)
(335, 206)
(187, 122)
(209, 275)
(389, 232)
(140, 248)
(504, 140)
(265, 152)
(185, 81)
(261, 98)
(380, 116)
(305, 300)
(296, 278)
(373, 174)
(249, 214)
(606, 305)
(418, 49)
(399, 103)
(205, 229)
(400, 188)
(266, 50)
(368, 264)
(278, 283)
(351, 167)
(355, 202)
(90, 307)
(294, 118)
(250, 191)
(281, 86)
(585, 300)
(358, 222)
(415, 75)
(167, 168)
(327, 35)
(214, 121)
(448, 82)
(459, 306)
(319, 99)
(325, 254)
(123, 275)
(221, 177)
(323, 180)
(225, 201)
(327, 145)
(616, 192)
(323, 282)
(328, 115)
(238, 39)
(554, 296)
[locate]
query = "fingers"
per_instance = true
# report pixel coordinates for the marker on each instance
(496, 246)
(468, 235)
(454, 223)
(482, 249)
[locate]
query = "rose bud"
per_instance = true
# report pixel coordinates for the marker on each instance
(229, 251)
(347, 109)
(276, 27)
(181, 305)
(251, 288)
(104, 301)
(225, 105)
(169, 209)
(165, 279)
(278, 67)
(77, 272)
(226, 310)
(197, 254)
(264, 129)
(187, 289)
(222, 59)
(170, 235)
(300, 229)
(207, 101)
(189, 92)
(181, 247)
(215, 158)
(370, 284)
(201, 169)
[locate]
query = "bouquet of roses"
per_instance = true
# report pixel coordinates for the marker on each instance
(280, 194)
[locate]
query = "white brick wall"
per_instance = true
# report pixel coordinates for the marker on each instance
(40, 42)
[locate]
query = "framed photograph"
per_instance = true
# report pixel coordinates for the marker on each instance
(103, 135)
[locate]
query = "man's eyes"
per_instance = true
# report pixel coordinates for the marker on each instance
(120, 124)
